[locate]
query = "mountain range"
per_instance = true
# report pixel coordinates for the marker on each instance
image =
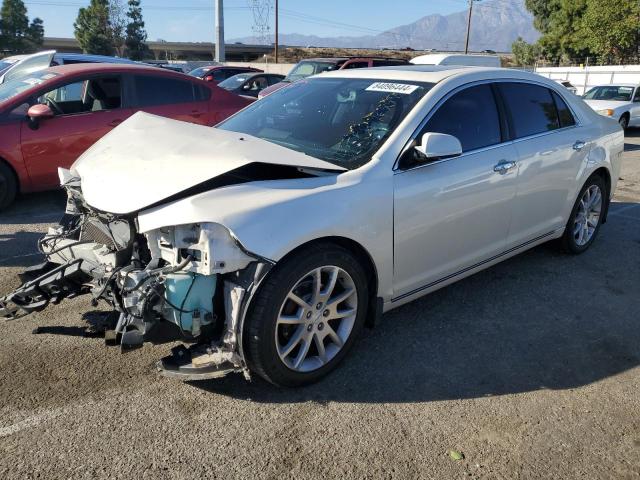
(495, 25)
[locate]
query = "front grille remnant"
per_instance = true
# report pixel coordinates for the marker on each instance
(115, 235)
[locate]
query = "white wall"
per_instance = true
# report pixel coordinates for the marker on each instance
(584, 78)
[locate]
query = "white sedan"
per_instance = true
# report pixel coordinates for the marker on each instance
(620, 102)
(270, 241)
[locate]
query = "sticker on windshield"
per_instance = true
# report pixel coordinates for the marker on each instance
(48, 76)
(392, 88)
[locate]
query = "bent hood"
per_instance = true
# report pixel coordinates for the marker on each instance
(148, 159)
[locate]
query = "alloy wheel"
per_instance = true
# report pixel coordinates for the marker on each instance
(588, 215)
(316, 318)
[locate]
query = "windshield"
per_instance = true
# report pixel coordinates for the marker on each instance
(234, 82)
(18, 85)
(198, 72)
(4, 64)
(307, 68)
(341, 120)
(610, 92)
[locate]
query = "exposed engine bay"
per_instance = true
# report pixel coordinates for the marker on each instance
(189, 282)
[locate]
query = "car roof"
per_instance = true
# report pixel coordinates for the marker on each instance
(616, 84)
(434, 73)
(108, 67)
(90, 57)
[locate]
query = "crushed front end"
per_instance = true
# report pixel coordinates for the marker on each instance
(189, 282)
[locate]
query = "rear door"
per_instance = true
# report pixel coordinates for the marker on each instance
(171, 97)
(634, 119)
(552, 148)
(84, 110)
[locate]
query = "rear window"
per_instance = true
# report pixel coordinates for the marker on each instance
(151, 90)
(532, 108)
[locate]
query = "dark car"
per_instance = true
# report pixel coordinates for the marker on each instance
(218, 73)
(18, 65)
(313, 66)
(250, 84)
(50, 117)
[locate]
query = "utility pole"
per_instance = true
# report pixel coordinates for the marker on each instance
(466, 43)
(220, 57)
(276, 38)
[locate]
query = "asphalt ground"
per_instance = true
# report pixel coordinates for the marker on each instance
(529, 369)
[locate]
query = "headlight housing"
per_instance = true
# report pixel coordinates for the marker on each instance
(607, 112)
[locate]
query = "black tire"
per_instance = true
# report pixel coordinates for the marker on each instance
(8, 186)
(568, 240)
(624, 122)
(260, 325)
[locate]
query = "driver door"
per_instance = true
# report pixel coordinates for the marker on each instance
(452, 215)
(84, 111)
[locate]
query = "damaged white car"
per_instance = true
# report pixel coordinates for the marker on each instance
(269, 242)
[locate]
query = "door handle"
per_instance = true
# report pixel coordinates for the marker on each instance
(579, 145)
(115, 123)
(504, 167)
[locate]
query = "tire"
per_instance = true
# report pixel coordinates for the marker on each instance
(267, 337)
(575, 240)
(8, 186)
(624, 122)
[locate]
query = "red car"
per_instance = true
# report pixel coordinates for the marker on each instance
(50, 117)
(218, 73)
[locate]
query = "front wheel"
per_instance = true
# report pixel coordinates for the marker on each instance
(624, 122)
(306, 316)
(8, 186)
(586, 216)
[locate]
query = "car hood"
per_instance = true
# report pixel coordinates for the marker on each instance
(149, 159)
(604, 104)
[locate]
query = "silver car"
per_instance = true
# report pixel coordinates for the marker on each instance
(269, 242)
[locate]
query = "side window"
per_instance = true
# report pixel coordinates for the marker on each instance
(95, 94)
(636, 97)
(152, 90)
(202, 93)
(219, 75)
(273, 80)
(564, 114)
(471, 116)
(532, 108)
(355, 65)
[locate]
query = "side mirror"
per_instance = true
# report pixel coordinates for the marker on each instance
(208, 78)
(38, 112)
(438, 146)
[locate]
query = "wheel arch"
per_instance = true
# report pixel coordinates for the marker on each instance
(604, 173)
(16, 177)
(374, 308)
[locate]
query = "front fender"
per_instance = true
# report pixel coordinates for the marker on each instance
(272, 218)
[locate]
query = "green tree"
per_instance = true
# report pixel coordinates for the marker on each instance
(136, 34)
(93, 28)
(16, 34)
(526, 54)
(612, 29)
(560, 22)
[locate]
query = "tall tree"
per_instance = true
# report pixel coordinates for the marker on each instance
(93, 28)
(612, 29)
(526, 54)
(136, 34)
(16, 34)
(118, 22)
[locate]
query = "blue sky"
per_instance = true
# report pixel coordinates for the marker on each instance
(192, 20)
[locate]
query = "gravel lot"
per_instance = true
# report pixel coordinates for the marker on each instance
(531, 369)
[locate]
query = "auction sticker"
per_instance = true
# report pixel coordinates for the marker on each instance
(392, 88)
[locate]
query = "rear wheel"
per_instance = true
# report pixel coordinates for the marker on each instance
(624, 121)
(586, 216)
(8, 186)
(306, 316)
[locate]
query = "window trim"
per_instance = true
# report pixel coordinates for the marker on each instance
(510, 141)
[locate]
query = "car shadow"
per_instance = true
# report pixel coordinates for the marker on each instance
(632, 133)
(20, 249)
(541, 320)
(35, 208)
